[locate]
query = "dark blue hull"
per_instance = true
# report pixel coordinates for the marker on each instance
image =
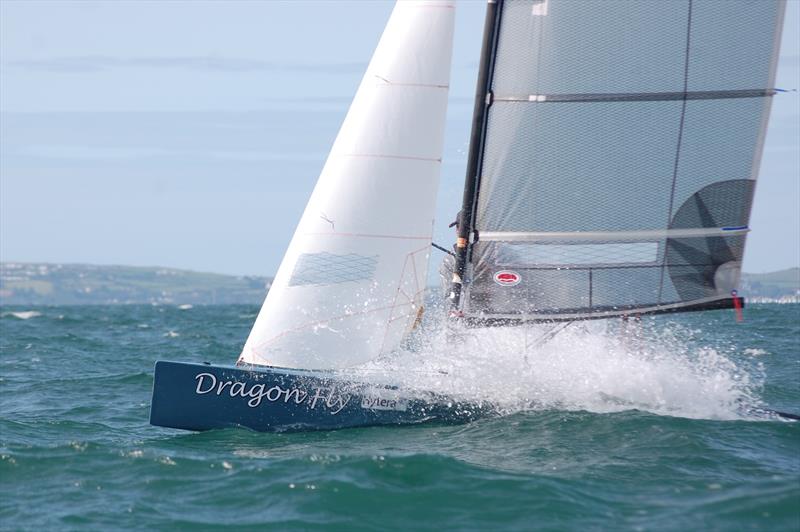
(202, 397)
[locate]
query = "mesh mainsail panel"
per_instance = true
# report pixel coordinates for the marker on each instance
(622, 144)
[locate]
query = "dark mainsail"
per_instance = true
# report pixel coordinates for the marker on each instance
(614, 154)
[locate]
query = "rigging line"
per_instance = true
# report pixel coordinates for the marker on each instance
(414, 267)
(395, 305)
(546, 337)
(440, 248)
(680, 137)
(552, 333)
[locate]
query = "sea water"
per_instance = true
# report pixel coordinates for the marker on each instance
(606, 426)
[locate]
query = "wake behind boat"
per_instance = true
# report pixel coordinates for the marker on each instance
(611, 171)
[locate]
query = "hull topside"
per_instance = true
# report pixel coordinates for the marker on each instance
(202, 397)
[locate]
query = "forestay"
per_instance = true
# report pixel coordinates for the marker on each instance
(351, 283)
(621, 147)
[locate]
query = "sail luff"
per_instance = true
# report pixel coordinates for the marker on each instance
(773, 69)
(465, 221)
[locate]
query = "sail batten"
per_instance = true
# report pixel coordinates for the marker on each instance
(637, 96)
(620, 156)
(613, 235)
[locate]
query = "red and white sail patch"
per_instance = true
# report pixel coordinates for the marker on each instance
(507, 278)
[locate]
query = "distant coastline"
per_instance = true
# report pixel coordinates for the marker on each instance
(782, 286)
(24, 283)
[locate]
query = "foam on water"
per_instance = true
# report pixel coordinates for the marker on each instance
(594, 366)
(22, 315)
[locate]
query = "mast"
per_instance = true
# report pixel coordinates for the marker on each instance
(483, 100)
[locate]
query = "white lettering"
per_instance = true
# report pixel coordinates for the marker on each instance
(222, 386)
(317, 397)
(299, 395)
(237, 386)
(257, 393)
(374, 402)
(200, 378)
(342, 402)
(279, 391)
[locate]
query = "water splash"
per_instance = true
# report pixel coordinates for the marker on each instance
(603, 366)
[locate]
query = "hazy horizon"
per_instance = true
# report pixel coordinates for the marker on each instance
(431, 281)
(189, 135)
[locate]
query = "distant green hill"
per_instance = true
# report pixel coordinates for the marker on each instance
(772, 285)
(75, 284)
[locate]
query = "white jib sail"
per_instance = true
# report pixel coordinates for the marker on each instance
(351, 284)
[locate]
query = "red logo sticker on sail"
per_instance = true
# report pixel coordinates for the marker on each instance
(507, 278)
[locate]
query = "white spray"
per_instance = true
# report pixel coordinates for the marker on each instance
(600, 366)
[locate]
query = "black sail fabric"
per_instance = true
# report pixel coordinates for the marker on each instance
(622, 144)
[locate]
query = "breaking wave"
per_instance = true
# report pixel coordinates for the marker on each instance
(22, 315)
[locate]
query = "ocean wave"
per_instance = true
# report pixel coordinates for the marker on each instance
(22, 315)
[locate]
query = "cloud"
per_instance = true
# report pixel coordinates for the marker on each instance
(99, 63)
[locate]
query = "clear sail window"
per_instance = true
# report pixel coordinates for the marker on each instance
(578, 254)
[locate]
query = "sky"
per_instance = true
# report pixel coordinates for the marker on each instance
(190, 134)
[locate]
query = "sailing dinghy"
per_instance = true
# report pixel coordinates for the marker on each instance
(614, 151)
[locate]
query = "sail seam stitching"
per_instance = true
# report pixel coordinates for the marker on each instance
(387, 83)
(386, 156)
(368, 235)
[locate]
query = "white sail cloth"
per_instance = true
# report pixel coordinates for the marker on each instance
(350, 286)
